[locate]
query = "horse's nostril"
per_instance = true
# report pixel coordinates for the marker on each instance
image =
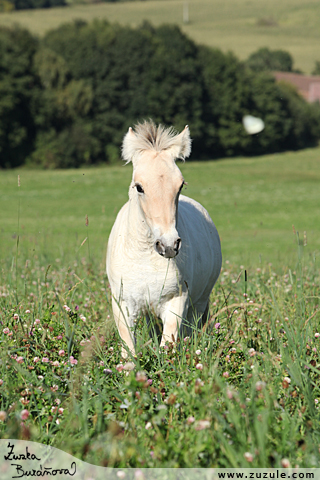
(159, 247)
(177, 244)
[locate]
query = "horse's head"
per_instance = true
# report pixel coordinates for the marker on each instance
(157, 181)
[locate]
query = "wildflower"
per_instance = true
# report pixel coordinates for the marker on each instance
(119, 367)
(252, 352)
(286, 382)
(199, 366)
(141, 377)
(37, 321)
(67, 309)
(248, 456)
(148, 425)
(190, 420)
(198, 352)
(24, 414)
(128, 366)
(54, 388)
(260, 386)
(59, 337)
(285, 463)
(6, 330)
(121, 474)
(199, 382)
(107, 371)
(61, 353)
(316, 401)
(314, 349)
(111, 349)
(317, 335)
(72, 360)
(217, 326)
(45, 360)
(28, 311)
(57, 401)
(82, 317)
(36, 359)
(149, 382)
(229, 394)
(61, 410)
(186, 339)
(225, 374)
(138, 475)
(3, 416)
(57, 421)
(202, 424)
(55, 363)
(19, 359)
(1, 382)
(16, 316)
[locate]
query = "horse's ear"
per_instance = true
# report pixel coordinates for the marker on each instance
(181, 147)
(128, 145)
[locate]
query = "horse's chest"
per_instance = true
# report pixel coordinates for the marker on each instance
(149, 286)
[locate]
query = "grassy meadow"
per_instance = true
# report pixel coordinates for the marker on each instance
(244, 392)
(241, 26)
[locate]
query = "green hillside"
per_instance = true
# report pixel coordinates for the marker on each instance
(253, 201)
(241, 26)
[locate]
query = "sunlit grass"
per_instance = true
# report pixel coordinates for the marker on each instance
(243, 392)
(253, 201)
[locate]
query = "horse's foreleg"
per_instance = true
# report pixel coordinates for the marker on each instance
(124, 324)
(174, 314)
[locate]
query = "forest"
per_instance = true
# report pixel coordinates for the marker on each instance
(67, 99)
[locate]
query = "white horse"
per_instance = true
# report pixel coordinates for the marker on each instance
(164, 253)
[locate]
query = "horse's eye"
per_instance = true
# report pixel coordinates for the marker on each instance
(139, 188)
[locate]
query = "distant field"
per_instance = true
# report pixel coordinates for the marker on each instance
(241, 26)
(253, 201)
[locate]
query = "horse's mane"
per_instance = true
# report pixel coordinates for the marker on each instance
(148, 136)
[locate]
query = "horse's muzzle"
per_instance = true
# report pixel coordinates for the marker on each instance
(168, 251)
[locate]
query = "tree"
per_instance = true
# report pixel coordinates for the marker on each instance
(134, 74)
(316, 70)
(270, 60)
(17, 84)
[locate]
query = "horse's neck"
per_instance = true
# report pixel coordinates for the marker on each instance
(138, 232)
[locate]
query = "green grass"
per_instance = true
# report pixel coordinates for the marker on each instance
(253, 201)
(208, 402)
(240, 26)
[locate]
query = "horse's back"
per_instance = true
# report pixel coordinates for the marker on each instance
(200, 257)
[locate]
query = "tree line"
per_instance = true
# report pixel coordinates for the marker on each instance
(67, 100)
(9, 5)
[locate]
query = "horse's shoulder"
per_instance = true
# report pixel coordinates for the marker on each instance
(192, 206)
